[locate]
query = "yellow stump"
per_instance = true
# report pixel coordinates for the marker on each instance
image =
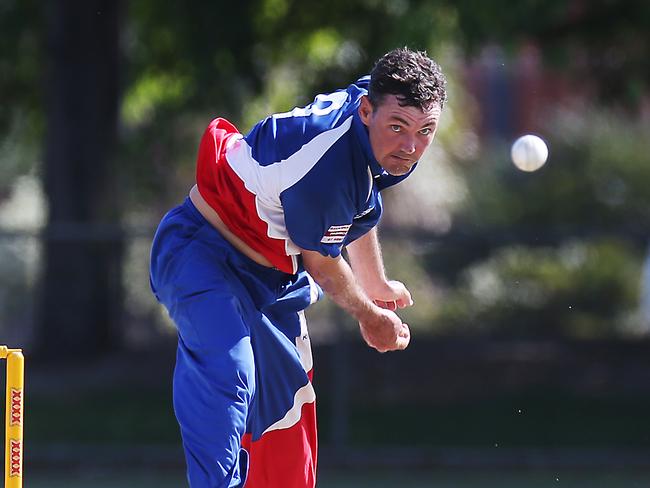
(14, 416)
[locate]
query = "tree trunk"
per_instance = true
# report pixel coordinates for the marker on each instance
(81, 286)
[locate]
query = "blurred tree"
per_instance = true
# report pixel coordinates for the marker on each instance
(557, 251)
(21, 120)
(189, 62)
(603, 44)
(580, 289)
(82, 241)
(186, 62)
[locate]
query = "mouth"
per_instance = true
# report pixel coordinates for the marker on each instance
(404, 164)
(402, 160)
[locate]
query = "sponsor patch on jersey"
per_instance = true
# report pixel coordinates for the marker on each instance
(336, 234)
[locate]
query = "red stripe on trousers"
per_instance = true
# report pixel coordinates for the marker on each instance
(284, 458)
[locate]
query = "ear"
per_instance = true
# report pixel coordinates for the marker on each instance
(365, 110)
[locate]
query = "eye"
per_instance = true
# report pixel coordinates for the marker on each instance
(395, 128)
(426, 131)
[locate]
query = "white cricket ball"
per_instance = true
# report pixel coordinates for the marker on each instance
(529, 153)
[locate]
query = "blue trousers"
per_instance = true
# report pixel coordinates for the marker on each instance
(242, 382)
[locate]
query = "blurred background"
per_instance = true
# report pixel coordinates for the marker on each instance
(529, 364)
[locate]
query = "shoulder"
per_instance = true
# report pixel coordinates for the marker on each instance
(280, 135)
(362, 84)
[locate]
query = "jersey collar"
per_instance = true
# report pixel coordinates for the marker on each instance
(364, 141)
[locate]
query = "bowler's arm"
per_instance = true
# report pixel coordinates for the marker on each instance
(381, 329)
(368, 267)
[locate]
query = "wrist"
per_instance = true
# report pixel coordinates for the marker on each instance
(367, 313)
(376, 287)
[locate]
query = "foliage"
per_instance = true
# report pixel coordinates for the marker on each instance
(559, 250)
(184, 63)
(579, 290)
(602, 43)
(595, 181)
(190, 63)
(21, 103)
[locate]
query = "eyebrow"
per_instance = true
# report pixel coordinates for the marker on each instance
(400, 119)
(407, 123)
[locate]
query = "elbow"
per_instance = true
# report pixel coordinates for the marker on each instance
(323, 269)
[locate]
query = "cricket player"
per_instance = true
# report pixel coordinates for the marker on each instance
(259, 239)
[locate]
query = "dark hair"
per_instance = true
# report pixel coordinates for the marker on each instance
(412, 76)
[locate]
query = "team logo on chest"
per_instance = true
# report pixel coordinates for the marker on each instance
(336, 234)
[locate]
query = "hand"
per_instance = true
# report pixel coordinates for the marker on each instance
(385, 331)
(391, 295)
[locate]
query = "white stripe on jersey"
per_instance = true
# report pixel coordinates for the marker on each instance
(336, 101)
(267, 182)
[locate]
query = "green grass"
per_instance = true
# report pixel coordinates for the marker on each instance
(486, 479)
(98, 479)
(113, 416)
(537, 419)
(382, 479)
(541, 419)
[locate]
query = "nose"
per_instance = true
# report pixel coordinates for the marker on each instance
(409, 146)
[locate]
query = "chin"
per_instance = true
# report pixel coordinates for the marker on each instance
(399, 171)
(396, 166)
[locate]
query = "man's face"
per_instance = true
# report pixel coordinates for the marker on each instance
(398, 135)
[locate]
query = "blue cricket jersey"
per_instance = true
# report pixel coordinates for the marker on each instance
(304, 179)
